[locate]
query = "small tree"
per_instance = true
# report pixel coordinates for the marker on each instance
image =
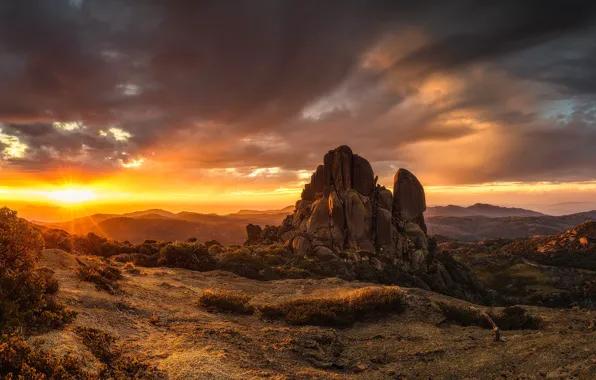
(24, 302)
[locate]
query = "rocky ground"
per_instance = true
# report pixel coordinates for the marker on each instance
(156, 318)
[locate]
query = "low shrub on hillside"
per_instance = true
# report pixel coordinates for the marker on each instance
(338, 311)
(19, 360)
(193, 256)
(25, 300)
(104, 277)
(510, 318)
(117, 365)
(129, 267)
(227, 302)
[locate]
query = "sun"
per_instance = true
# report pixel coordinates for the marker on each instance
(72, 195)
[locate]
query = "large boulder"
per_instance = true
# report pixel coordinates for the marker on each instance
(359, 216)
(384, 228)
(363, 180)
(327, 169)
(409, 201)
(308, 193)
(341, 170)
(385, 199)
(253, 233)
(319, 217)
(319, 182)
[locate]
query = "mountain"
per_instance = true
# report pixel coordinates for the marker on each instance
(475, 228)
(157, 224)
(479, 209)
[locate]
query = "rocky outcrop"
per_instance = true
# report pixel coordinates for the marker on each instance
(343, 209)
(345, 218)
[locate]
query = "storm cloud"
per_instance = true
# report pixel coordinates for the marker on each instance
(207, 85)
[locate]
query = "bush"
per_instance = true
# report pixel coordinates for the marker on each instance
(18, 360)
(129, 267)
(338, 311)
(193, 256)
(24, 300)
(226, 302)
(117, 365)
(104, 277)
(58, 239)
(511, 318)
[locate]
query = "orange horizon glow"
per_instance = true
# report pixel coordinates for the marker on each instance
(58, 203)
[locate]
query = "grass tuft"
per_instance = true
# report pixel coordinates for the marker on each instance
(104, 277)
(338, 311)
(226, 302)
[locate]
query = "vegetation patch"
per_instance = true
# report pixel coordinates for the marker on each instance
(226, 302)
(19, 360)
(129, 267)
(338, 311)
(104, 277)
(117, 365)
(26, 303)
(510, 318)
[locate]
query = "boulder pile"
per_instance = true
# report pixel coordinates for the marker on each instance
(347, 225)
(343, 209)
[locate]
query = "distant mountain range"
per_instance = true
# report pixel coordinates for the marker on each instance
(473, 223)
(479, 209)
(159, 224)
(480, 227)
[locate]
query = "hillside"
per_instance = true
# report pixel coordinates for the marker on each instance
(557, 270)
(479, 209)
(158, 224)
(155, 317)
(477, 228)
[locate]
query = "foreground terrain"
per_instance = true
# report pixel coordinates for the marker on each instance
(155, 317)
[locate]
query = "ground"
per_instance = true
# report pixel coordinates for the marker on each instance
(156, 318)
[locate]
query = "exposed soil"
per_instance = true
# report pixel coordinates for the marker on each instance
(156, 317)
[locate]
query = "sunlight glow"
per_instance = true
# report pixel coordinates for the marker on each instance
(72, 195)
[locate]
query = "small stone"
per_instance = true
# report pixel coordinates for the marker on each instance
(359, 368)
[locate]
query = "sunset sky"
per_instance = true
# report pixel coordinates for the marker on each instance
(214, 106)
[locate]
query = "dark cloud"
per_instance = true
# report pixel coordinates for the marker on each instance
(277, 83)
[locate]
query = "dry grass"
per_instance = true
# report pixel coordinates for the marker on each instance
(130, 267)
(117, 365)
(226, 302)
(338, 311)
(19, 360)
(510, 318)
(104, 277)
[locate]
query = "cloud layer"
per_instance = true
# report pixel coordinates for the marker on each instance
(463, 93)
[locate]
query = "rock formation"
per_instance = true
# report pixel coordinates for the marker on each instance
(348, 221)
(343, 208)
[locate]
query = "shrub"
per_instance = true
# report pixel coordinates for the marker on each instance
(226, 302)
(104, 277)
(18, 360)
(193, 256)
(58, 239)
(338, 311)
(117, 365)
(510, 318)
(24, 300)
(129, 267)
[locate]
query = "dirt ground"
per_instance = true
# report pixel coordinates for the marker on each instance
(156, 318)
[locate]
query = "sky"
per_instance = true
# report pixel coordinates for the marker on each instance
(215, 106)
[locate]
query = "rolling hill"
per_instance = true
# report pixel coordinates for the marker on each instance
(158, 224)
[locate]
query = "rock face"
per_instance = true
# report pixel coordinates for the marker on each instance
(343, 209)
(357, 229)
